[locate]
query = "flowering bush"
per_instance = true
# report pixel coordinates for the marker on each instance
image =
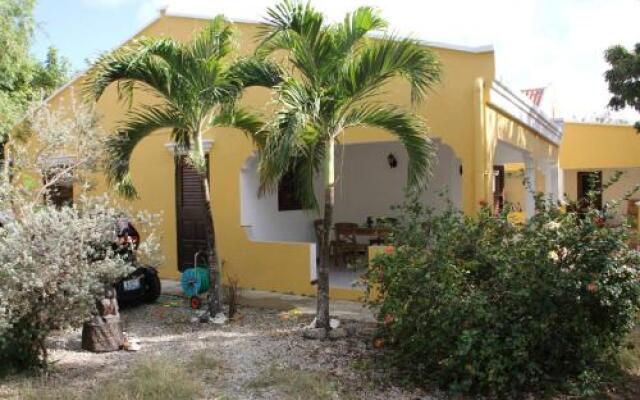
(487, 306)
(54, 261)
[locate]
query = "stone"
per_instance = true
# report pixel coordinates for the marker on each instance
(314, 333)
(219, 319)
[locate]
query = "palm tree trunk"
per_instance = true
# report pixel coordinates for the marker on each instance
(215, 288)
(322, 312)
(215, 304)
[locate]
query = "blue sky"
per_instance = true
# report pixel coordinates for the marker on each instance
(538, 42)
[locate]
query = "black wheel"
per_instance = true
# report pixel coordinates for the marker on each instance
(152, 285)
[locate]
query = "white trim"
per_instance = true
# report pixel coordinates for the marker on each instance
(442, 45)
(171, 147)
(520, 108)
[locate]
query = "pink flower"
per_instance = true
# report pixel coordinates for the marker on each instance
(388, 319)
(388, 250)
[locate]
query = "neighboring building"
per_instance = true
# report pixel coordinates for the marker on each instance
(479, 124)
(597, 151)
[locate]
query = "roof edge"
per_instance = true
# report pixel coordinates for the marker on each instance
(441, 45)
(520, 108)
(84, 72)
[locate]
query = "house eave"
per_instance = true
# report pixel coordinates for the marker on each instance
(521, 109)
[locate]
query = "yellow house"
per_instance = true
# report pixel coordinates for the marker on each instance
(482, 129)
(600, 149)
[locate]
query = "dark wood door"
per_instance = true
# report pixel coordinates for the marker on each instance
(191, 215)
(589, 181)
(498, 188)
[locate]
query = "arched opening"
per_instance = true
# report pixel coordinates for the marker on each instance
(371, 178)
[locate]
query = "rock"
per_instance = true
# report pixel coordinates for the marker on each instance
(314, 333)
(219, 319)
(337, 333)
(334, 323)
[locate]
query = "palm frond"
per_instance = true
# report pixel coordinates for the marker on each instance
(241, 119)
(132, 64)
(297, 28)
(355, 27)
(119, 147)
(253, 71)
(284, 140)
(410, 131)
(215, 41)
(386, 58)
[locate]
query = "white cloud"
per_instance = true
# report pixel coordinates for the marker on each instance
(537, 41)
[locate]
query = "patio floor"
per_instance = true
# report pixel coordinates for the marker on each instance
(342, 309)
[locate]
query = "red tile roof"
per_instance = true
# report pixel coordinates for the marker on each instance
(535, 95)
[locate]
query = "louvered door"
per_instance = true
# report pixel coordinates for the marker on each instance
(191, 214)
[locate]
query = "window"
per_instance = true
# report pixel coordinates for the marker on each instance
(61, 192)
(288, 198)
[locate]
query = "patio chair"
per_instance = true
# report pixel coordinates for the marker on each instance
(346, 245)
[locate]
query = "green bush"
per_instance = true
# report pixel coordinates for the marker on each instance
(482, 305)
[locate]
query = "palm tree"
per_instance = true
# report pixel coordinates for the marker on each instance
(197, 85)
(337, 72)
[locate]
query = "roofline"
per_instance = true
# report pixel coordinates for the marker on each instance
(441, 45)
(84, 72)
(521, 108)
(166, 11)
(609, 124)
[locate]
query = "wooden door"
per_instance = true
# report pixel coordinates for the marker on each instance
(589, 181)
(191, 215)
(498, 188)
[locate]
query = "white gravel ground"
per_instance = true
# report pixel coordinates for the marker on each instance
(258, 341)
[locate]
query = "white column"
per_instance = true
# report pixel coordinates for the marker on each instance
(530, 187)
(551, 181)
(561, 184)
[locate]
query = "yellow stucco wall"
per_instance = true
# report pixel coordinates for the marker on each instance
(452, 115)
(598, 146)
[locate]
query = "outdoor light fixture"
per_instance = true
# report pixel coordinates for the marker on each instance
(391, 159)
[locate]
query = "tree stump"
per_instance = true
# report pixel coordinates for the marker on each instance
(104, 331)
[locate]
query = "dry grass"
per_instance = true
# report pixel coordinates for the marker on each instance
(296, 384)
(630, 356)
(155, 378)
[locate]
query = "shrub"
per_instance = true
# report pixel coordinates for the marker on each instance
(483, 305)
(54, 261)
(53, 267)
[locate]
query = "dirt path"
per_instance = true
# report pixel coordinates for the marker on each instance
(260, 356)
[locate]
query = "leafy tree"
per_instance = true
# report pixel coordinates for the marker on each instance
(16, 31)
(22, 78)
(198, 84)
(337, 73)
(624, 78)
(51, 74)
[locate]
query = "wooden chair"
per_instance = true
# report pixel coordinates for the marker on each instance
(346, 246)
